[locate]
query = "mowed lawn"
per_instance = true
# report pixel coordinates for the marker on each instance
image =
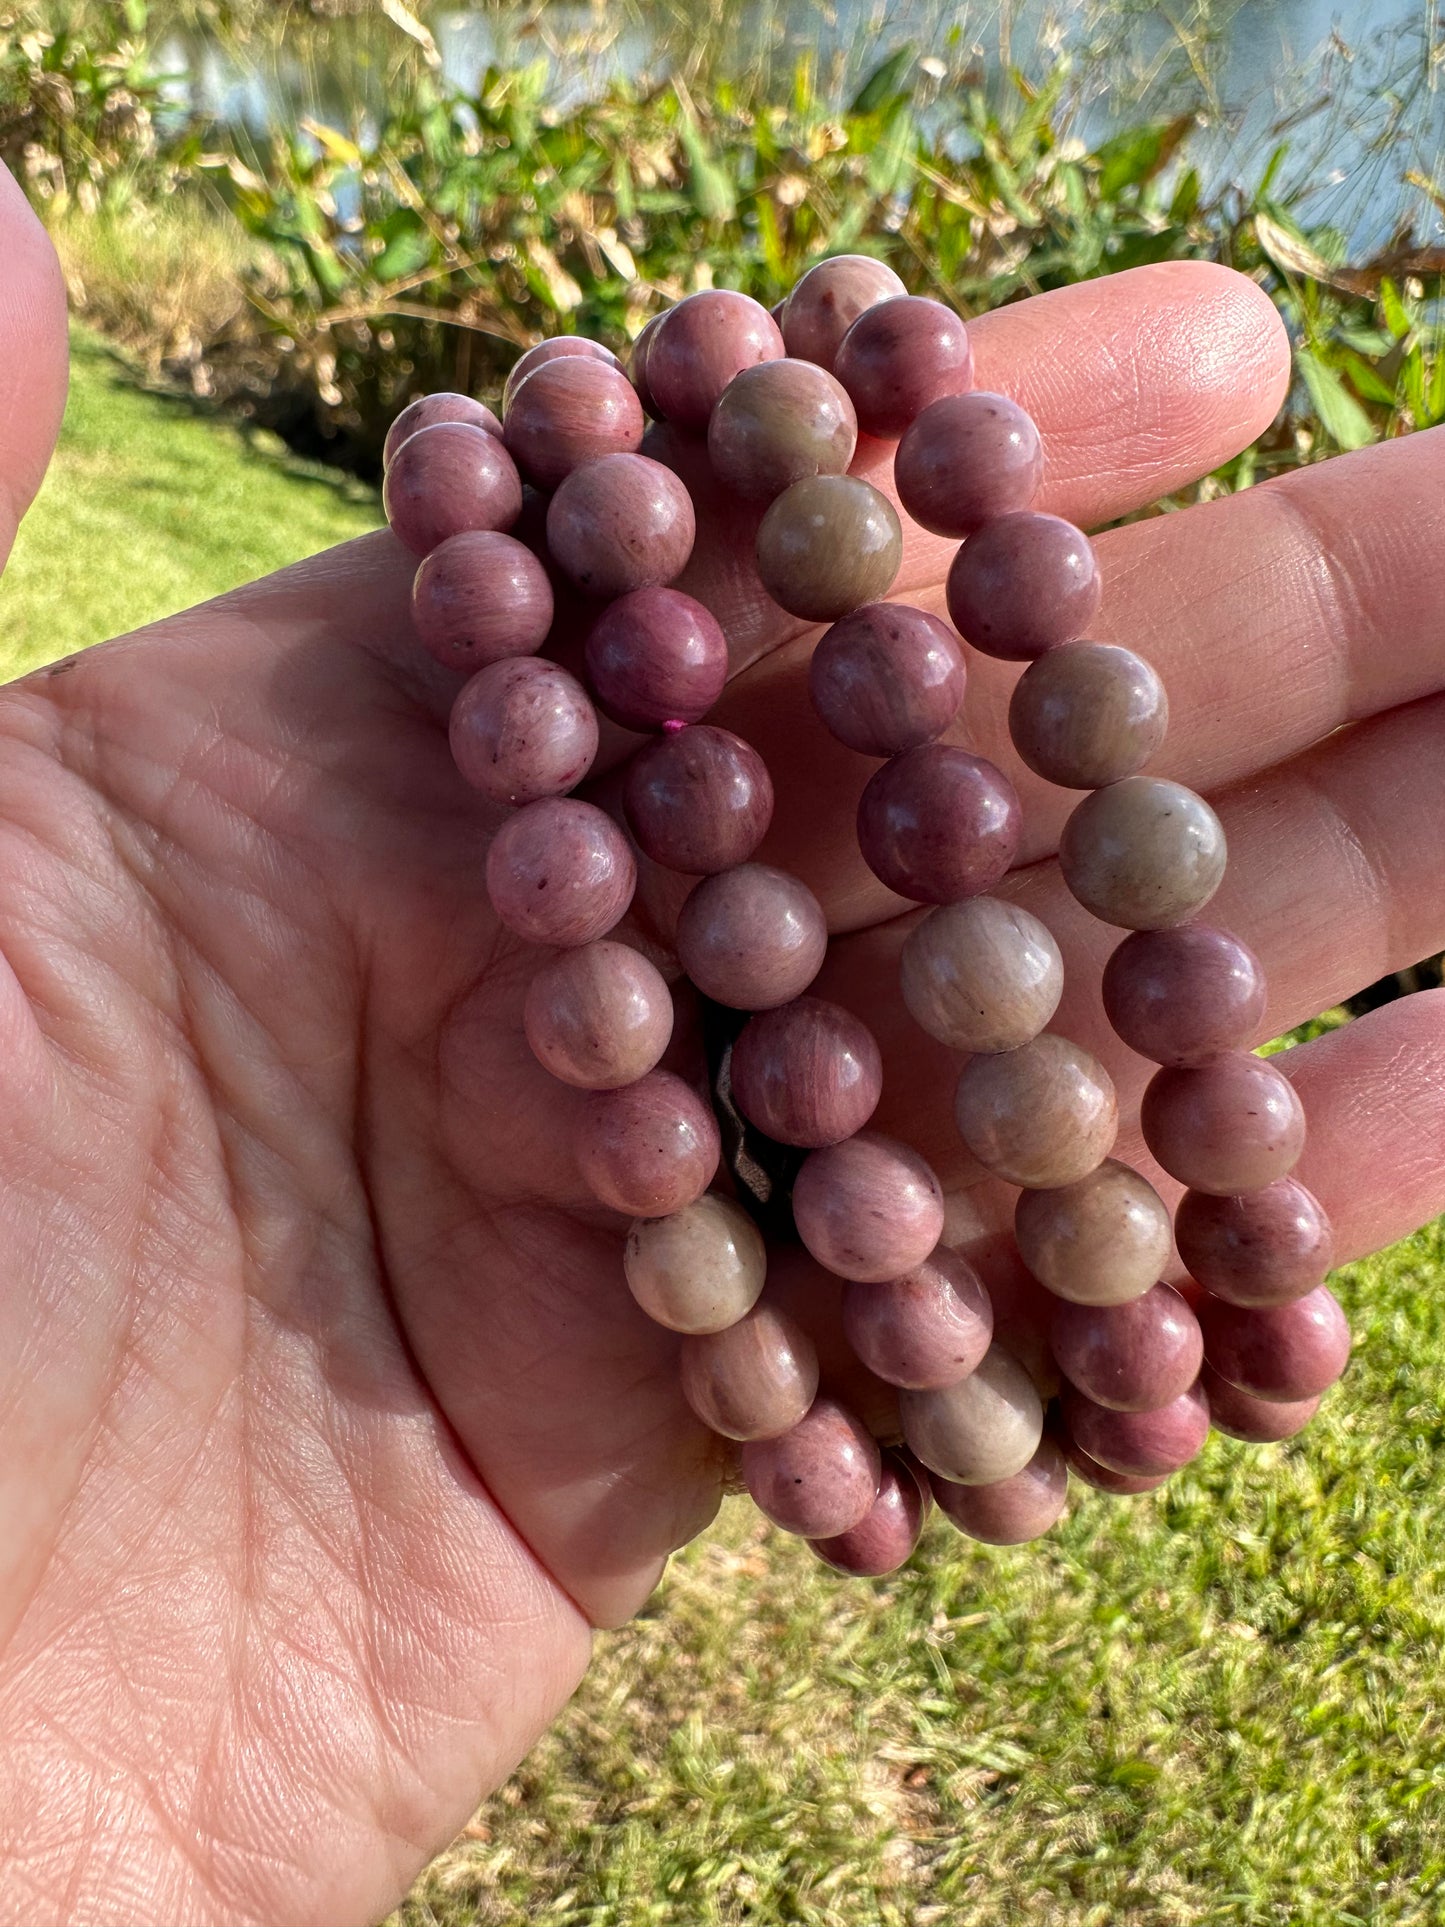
(1216, 1704)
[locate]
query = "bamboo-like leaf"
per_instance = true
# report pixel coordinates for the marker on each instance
(1341, 416)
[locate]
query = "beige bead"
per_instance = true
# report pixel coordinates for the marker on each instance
(981, 975)
(984, 1428)
(699, 1270)
(753, 1381)
(1042, 1116)
(1101, 1241)
(1144, 853)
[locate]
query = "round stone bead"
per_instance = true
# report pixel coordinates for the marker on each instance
(778, 423)
(619, 524)
(1042, 1116)
(1117, 1484)
(752, 1380)
(560, 872)
(1023, 584)
(965, 460)
(447, 478)
(480, 597)
(554, 348)
(937, 824)
(821, 1478)
(807, 1073)
(1087, 714)
(1183, 996)
(1258, 1421)
(982, 975)
(928, 1328)
(828, 299)
(523, 729)
(1145, 1445)
(598, 1017)
(1232, 1125)
(899, 356)
(869, 1209)
(649, 1148)
(1012, 1511)
(637, 362)
(700, 1270)
(700, 345)
(1144, 853)
(698, 800)
(752, 938)
(1102, 1240)
(1133, 1357)
(427, 410)
(886, 1538)
(887, 678)
(1285, 1352)
(571, 410)
(1261, 1249)
(654, 657)
(981, 1430)
(827, 545)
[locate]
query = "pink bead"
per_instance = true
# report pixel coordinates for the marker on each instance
(807, 1073)
(1118, 1484)
(966, 459)
(1023, 584)
(828, 299)
(598, 1017)
(1232, 1125)
(700, 345)
(649, 1148)
(868, 1209)
(754, 1379)
(654, 657)
(480, 597)
(887, 678)
(554, 348)
(448, 478)
(427, 410)
(1185, 995)
(778, 423)
(899, 356)
(523, 729)
(1132, 1357)
(937, 824)
(637, 365)
(1261, 1249)
(752, 938)
(619, 524)
(1145, 1444)
(698, 800)
(1013, 1511)
(1258, 1421)
(569, 411)
(1286, 1352)
(821, 1478)
(885, 1539)
(560, 872)
(926, 1329)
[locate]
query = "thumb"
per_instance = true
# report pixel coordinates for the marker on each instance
(33, 356)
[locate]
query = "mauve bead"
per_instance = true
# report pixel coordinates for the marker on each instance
(648, 1148)
(807, 1073)
(1042, 1116)
(886, 678)
(936, 824)
(1099, 1241)
(819, 1479)
(899, 356)
(427, 410)
(980, 1430)
(1285, 1352)
(885, 1539)
(1229, 1126)
(698, 800)
(868, 1209)
(1102, 1479)
(598, 1017)
(777, 424)
(752, 938)
(447, 478)
(828, 544)
(1144, 853)
(1023, 584)
(570, 411)
(1182, 996)
(1087, 714)
(701, 344)
(654, 657)
(754, 1379)
(1131, 1357)
(620, 524)
(1012, 1511)
(1144, 1445)
(560, 872)
(966, 459)
(982, 975)
(637, 362)
(481, 597)
(699, 1270)
(523, 729)
(1258, 1421)
(828, 299)
(925, 1329)
(1260, 1249)
(554, 348)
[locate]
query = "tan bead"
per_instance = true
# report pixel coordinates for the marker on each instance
(1043, 1115)
(1144, 853)
(984, 1428)
(753, 1381)
(981, 975)
(1101, 1241)
(699, 1270)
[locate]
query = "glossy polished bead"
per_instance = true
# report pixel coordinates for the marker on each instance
(1023, 584)
(700, 1270)
(560, 872)
(1118, 1484)
(1012, 1511)
(899, 356)
(752, 938)
(819, 1479)
(965, 460)
(807, 1073)
(1144, 1445)
(554, 348)
(1261, 1249)
(1042, 1116)
(752, 1380)
(598, 1017)
(884, 1540)
(698, 800)
(827, 545)
(1099, 1241)
(1144, 853)
(523, 729)
(447, 478)
(887, 678)
(937, 824)
(926, 1329)
(480, 597)
(982, 975)
(571, 410)
(427, 410)
(1232, 1125)
(650, 1148)
(1087, 714)
(619, 524)
(655, 657)
(700, 345)
(1185, 995)
(1258, 1421)
(828, 299)
(1131, 1357)
(1286, 1352)
(778, 423)
(868, 1209)
(980, 1430)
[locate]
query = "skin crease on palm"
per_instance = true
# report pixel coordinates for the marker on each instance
(329, 1427)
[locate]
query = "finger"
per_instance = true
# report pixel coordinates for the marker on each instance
(33, 356)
